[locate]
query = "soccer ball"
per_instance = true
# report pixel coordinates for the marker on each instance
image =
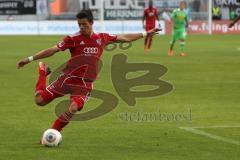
(51, 138)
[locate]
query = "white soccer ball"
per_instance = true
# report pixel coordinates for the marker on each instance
(51, 138)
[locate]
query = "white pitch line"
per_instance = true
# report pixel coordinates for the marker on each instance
(196, 131)
(222, 126)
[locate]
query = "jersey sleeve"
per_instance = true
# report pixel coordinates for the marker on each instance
(145, 13)
(173, 15)
(67, 43)
(108, 38)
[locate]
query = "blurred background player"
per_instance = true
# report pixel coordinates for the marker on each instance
(180, 26)
(86, 48)
(149, 22)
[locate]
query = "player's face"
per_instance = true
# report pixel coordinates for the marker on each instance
(182, 5)
(85, 26)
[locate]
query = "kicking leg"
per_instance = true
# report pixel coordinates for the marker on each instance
(40, 88)
(76, 105)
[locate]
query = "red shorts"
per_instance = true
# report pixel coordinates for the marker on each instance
(77, 87)
(149, 27)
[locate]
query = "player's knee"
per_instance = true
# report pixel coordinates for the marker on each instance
(76, 105)
(39, 100)
(73, 108)
(40, 103)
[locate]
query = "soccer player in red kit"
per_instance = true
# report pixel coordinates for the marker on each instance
(86, 48)
(150, 16)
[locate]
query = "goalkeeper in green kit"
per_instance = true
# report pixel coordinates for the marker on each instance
(180, 25)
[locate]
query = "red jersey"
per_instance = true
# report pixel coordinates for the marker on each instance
(85, 53)
(151, 15)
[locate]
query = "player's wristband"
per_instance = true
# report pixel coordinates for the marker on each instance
(144, 34)
(30, 59)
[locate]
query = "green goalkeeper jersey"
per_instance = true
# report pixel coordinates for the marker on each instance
(179, 18)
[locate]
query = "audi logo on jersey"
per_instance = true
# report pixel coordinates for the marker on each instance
(89, 50)
(150, 14)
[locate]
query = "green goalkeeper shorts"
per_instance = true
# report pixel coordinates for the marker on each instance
(179, 34)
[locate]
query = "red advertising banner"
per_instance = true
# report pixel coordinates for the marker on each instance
(201, 27)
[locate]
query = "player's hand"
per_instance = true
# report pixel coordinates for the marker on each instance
(22, 63)
(154, 31)
(159, 26)
(231, 25)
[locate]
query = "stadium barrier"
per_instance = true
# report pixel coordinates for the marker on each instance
(113, 27)
(67, 27)
(201, 27)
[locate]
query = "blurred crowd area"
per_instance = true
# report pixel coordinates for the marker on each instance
(119, 9)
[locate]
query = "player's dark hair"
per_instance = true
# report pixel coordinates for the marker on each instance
(85, 14)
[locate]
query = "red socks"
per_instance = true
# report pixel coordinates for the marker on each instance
(41, 83)
(62, 120)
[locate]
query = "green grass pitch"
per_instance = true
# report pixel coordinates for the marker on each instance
(206, 82)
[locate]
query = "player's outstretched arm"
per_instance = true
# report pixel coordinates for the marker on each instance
(233, 22)
(134, 37)
(40, 55)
